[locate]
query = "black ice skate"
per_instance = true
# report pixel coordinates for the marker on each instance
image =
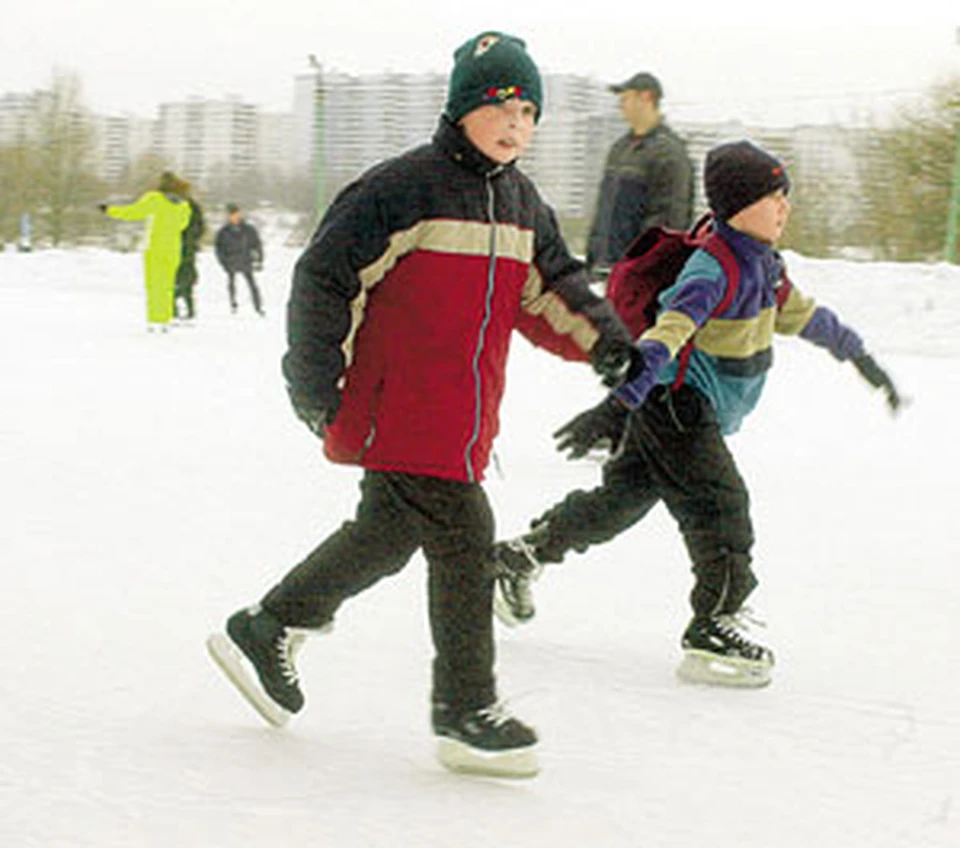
(257, 653)
(717, 652)
(485, 741)
(516, 567)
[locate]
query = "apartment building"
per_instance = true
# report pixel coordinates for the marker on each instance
(341, 124)
(208, 140)
(119, 142)
(19, 116)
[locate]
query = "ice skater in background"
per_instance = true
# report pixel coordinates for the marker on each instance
(187, 275)
(399, 326)
(240, 251)
(167, 215)
(700, 371)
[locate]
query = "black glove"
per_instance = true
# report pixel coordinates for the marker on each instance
(317, 418)
(878, 378)
(605, 421)
(615, 361)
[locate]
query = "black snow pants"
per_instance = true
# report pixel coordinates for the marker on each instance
(183, 288)
(397, 515)
(247, 274)
(672, 450)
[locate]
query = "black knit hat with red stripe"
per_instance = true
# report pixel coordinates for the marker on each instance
(738, 174)
(490, 68)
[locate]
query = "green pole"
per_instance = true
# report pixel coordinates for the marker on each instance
(953, 219)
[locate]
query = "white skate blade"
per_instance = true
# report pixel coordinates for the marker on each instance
(240, 672)
(462, 759)
(501, 609)
(704, 667)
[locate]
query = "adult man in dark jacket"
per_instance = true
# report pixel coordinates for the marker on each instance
(647, 179)
(240, 251)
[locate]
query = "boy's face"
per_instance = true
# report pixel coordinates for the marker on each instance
(501, 131)
(766, 219)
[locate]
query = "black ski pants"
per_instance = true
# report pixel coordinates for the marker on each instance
(397, 515)
(183, 288)
(672, 451)
(251, 283)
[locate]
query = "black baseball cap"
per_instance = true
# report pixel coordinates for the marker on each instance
(642, 81)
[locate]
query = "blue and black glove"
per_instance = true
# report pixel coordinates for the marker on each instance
(615, 360)
(600, 426)
(879, 379)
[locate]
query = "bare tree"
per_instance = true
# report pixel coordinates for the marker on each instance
(907, 178)
(65, 187)
(15, 178)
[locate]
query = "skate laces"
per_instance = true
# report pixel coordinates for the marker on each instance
(733, 626)
(532, 567)
(496, 715)
(289, 643)
(743, 619)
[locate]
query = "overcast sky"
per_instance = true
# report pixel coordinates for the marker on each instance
(737, 58)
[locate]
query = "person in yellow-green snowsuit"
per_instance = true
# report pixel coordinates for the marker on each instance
(168, 214)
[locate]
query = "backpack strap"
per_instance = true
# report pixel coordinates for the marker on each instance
(719, 250)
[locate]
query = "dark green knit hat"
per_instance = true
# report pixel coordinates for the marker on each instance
(491, 68)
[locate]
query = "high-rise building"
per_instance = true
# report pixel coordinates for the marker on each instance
(119, 142)
(276, 143)
(20, 116)
(209, 139)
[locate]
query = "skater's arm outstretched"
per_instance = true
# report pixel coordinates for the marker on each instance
(799, 315)
(143, 207)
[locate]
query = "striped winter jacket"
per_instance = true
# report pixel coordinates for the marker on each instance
(403, 305)
(731, 352)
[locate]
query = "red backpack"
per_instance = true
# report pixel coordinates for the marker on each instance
(652, 264)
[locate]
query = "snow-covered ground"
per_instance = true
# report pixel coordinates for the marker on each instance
(152, 484)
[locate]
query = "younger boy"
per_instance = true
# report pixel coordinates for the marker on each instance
(399, 324)
(699, 371)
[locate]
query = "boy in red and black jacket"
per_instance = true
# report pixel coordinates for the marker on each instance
(399, 326)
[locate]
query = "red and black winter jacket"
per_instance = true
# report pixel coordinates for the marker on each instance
(403, 305)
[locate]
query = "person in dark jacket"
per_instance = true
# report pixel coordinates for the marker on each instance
(187, 275)
(700, 372)
(399, 324)
(240, 251)
(647, 179)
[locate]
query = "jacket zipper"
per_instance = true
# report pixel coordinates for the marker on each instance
(487, 309)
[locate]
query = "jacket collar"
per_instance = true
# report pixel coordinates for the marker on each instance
(747, 246)
(750, 249)
(658, 128)
(450, 139)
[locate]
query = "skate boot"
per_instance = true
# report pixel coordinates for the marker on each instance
(257, 653)
(516, 567)
(486, 741)
(716, 651)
